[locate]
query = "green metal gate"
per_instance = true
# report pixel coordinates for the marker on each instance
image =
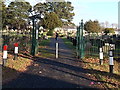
(89, 45)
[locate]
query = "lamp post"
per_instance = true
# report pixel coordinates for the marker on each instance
(34, 33)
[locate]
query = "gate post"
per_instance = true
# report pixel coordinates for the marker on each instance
(82, 41)
(78, 42)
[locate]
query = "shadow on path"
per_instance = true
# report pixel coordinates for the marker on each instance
(25, 80)
(74, 68)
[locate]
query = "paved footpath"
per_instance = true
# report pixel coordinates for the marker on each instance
(64, 72)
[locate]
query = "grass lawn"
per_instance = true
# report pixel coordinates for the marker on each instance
(68, 43)
(43, 49)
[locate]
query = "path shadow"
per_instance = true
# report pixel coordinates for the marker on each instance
(82, 76)
(25, 80)
(74, 68)
(70, 67)
(8, 74)
(76, 60)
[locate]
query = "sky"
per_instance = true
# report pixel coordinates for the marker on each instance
(101, 10)
(96, 10)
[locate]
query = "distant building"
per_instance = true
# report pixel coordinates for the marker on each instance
(69, 29)
(65, 29)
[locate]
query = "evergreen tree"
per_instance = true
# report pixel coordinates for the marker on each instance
(92, 26)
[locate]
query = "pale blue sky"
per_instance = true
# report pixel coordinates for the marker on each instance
(101, 10)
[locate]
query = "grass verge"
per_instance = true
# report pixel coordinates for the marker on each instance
(68, 43)
(43, 49)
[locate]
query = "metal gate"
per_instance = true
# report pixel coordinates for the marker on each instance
(91, 44)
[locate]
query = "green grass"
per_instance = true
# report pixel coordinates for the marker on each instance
(68, 43)
(43, 45)
(44, 53)
(44, 42)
